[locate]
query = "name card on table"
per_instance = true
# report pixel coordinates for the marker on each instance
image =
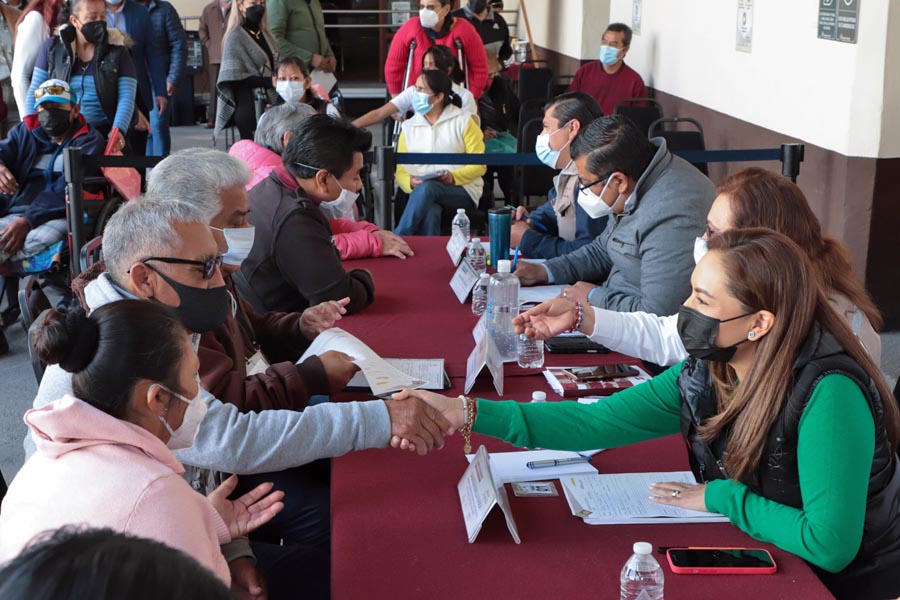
(456, 247)
(463, 281)
(479, 494)
(484, 353)
(480, 328)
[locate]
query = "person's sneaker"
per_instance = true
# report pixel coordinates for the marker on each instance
(10, 315)
(4, 345)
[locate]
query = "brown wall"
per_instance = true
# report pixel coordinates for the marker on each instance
(855, 198)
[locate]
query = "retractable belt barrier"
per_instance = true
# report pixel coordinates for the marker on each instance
(386, 160)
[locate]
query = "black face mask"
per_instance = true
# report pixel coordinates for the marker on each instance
(253, 16)
(55, 121)
(201, 309)
(698, 334)
(477, 6)
(94, 32)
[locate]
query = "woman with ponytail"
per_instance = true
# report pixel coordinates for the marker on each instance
(791, 431)
(104, 456)
(439, 126)
(750, 198)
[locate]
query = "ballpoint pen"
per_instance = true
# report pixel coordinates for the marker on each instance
(515, 259)
(557, 462)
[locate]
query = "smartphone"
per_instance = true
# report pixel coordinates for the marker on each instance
(603, 372)
(574, 345)
(721, 561)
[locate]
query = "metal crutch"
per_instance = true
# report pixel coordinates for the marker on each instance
(461, 57)
(409, 64)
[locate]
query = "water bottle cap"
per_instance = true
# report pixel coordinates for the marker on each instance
(476, 240)
(538, 396)
(485, 276)
(642, 548)
(460, 211)
(504, 266)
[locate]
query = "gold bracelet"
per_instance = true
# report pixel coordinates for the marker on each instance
(470, 408)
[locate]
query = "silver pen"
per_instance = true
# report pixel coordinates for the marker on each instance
(556, 462)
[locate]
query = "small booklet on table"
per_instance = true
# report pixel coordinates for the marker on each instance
(429, 370)
(574, 382)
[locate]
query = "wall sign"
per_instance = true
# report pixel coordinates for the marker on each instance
(744, 30)
(839, 20)
(636, 10)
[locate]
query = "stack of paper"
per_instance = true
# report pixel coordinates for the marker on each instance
(430, 370)
(624, 498)
(380, 375)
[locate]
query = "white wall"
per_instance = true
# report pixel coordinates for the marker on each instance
(828, 93)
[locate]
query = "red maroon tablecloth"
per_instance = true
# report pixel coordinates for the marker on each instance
(397, 527)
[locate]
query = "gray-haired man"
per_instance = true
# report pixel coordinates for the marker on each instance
(165, 251)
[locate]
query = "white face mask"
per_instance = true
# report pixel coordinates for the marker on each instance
(291, 91)
(700, 249)
(593, 204)
(184, 436)
(342, 208)
(428, 18)
(240, 242)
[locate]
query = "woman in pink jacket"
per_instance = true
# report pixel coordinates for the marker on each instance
(104, 456)
(353, 238)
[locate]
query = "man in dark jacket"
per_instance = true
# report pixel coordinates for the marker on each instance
(294, 263)
(169, 43)
(32, 186)
(490, 25)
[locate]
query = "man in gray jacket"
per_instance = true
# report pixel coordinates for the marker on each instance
(165, 251)
(657, 204)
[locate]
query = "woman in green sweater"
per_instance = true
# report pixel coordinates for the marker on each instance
(779, 404)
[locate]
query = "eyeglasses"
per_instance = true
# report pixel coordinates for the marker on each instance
(50, 90)
(209, 265)
(584, 186)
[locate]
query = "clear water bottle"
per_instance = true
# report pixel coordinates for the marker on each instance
(642, 578)
(479, 295)
(461, 223)
(477, 255)
(502, 306)
(529, 352)
(538, 396)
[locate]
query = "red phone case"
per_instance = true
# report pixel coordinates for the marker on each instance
(722, 570)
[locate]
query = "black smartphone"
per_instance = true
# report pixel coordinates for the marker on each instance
(574, 345)
(719, 561)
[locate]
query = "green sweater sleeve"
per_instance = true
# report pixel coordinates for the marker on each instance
(646, 411)
(836, 446)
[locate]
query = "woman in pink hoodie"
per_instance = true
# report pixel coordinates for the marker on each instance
(353, 238)
(104, 456)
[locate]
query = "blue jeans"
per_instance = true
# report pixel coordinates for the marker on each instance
(422, 215)
(159, 143)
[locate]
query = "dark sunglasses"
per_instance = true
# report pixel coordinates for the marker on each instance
(209, 265)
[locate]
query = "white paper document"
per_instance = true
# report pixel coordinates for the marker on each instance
(326, 80)
(431, 370)
(539, 293)
(382, 377)
(509, 467)
(479, 493)
(463, 280)
(456, 247)
(624, 498)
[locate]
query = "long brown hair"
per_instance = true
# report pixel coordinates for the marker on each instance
(760, 198)
(765, 270)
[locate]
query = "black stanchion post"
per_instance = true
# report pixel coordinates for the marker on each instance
(73, 169)
(384, 172)
(791, 157)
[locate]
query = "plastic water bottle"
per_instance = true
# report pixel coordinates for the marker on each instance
(529, 352)
(461, 223)
(642, 578)
(502, 306)
(477, 255)
(479, 295)
(538, 396)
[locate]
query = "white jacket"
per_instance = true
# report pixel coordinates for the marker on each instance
(455, 132)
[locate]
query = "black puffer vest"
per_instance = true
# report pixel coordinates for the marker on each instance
(61, 59)
(875, 572)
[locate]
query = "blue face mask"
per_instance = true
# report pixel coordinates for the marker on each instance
(420, 103)
(545, 153)
(609, 55)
